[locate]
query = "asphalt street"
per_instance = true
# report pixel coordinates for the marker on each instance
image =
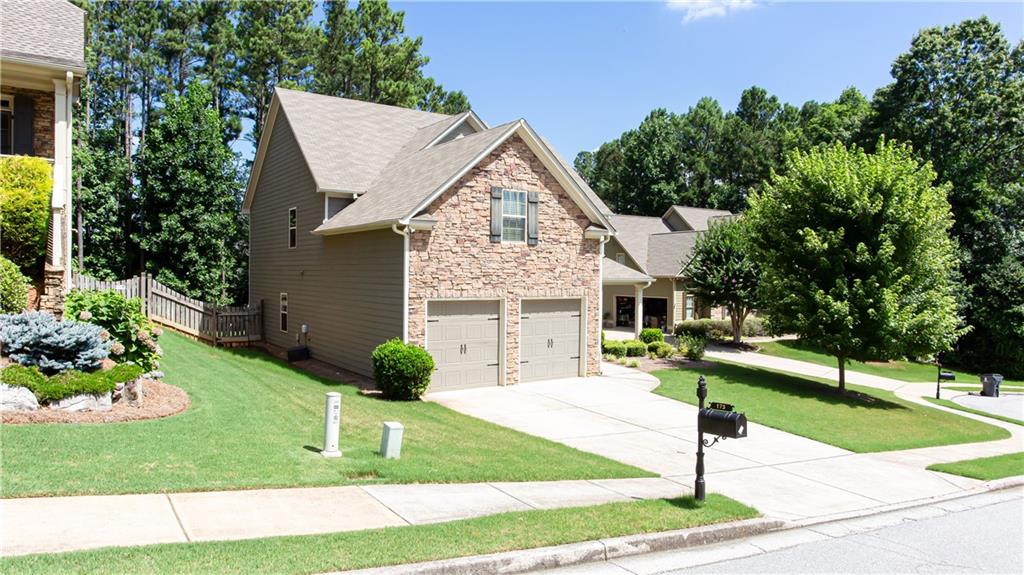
(985, 540)
(976, 534)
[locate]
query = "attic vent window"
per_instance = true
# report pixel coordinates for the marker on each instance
(292, 237)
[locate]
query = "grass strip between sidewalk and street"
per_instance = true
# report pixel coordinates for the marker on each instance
(865, 420)
(958, 407)
(256, 422)
(903, 370)
(393, 545)
(985, 468)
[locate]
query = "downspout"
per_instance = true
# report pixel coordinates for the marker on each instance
(69, 95)
(600, 294)
(404, 232)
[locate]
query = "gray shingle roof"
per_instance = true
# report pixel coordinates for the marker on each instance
(633, 232)
(698, 218)
(612, 271)
(44, 31)
(411, 178)
(668, 253)
(348, 143)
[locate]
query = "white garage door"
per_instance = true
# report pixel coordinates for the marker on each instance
(550, 343)
(462, 336)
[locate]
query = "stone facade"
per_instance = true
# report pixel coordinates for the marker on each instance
(52, 299)
(42, 122)
(457, 259)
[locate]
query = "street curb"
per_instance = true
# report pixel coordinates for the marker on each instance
(580, 553)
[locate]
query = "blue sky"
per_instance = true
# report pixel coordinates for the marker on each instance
(582, 73)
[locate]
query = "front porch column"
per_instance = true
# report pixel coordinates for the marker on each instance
(638, 299)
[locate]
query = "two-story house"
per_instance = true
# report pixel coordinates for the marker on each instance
(42, 60)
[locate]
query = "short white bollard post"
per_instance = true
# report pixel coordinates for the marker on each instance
(332, 421)
(391, 440)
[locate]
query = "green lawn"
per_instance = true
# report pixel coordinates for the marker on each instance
(901, 370)
(866, 420)
(256, 422)
(957, 406)
(985, 468)
(393, 545)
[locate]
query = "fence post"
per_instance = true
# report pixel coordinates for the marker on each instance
(215, 326)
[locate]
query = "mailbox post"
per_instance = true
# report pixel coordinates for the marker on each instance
(942, 376)
(719, 420)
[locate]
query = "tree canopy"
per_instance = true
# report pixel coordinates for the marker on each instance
(723, 271)
(856, 254)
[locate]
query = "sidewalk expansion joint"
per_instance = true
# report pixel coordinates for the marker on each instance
(177, 518)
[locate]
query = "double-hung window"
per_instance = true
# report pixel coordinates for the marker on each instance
(292, 221)
(689, 307)
(284, 311)
(513, 216)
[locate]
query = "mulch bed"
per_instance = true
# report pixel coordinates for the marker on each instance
(158, 400)
(647, 364)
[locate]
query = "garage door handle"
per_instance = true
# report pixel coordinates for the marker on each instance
(492, 365)
(524, 361)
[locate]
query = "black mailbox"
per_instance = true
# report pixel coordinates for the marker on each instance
(947, 376)
(722, 423)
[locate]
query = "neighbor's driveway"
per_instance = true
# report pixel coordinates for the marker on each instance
(781, 474)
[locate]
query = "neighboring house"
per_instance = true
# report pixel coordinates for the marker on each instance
(369, 222)
(42, 60)
(643, 269)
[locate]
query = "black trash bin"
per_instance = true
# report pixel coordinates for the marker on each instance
(990, 384)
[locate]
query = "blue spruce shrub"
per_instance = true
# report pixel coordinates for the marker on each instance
(39, 339)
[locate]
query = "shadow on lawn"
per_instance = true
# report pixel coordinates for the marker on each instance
(790, 385)
(322, 372)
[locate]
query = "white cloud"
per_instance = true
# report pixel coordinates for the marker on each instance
(699, 9)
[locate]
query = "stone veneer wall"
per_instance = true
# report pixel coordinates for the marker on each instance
(457, 259)
(42, 122)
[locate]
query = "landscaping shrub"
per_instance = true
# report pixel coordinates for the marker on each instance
(13, 287)
(660, 349)
(651, 334)
(402, 370)
(692, 347)
(124, 321)
(719, 329)
(632, 363)
(635, 348)
(68, 383)
(614, 348)
(25, 187)
(37, 338)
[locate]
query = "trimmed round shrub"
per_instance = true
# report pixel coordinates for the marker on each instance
(123, 319)
(651, 334)
(37, 338)
(13, 287)
(692, 347)
(660, 349)
(402, 370)
(635, 348)
(25, 186)
(755, 327)
(614, 348)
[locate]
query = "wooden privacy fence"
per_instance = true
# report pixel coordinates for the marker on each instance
(217, 324)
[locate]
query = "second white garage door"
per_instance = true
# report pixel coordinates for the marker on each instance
(462, 336)
(550, 340)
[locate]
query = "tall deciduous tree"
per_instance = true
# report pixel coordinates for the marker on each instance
(958, 96)
(724, 272)
(193, 238)
(856, 255)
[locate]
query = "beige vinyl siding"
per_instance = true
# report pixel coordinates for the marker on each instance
(613, 248)
(346, 288)
(677, 223)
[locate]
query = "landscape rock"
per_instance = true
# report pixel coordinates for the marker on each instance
(107, 364)
(14, 398)
(85, 402)
(129, 392)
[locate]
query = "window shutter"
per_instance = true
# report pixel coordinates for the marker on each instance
(495, 215)
(24, 117)
(531, 218)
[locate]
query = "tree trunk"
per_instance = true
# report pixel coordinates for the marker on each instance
(737, 323)
(842, 376)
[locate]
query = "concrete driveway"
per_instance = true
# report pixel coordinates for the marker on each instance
(1006, 405)
(781, 474)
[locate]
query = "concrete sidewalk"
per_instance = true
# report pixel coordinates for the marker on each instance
(54, 524)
